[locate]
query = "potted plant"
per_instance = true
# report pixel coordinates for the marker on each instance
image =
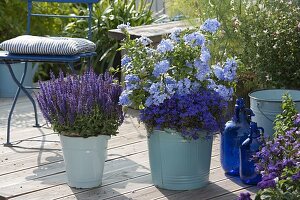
(182, 99)
(84, 110)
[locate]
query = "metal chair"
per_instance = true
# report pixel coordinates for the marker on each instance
(8, 58)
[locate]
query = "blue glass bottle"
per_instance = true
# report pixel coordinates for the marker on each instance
(249, 148)
(235, 132)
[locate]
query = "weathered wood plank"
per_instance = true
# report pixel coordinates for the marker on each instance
(29, 154)
(58, 168)
(123, 186)
(216, 189)
(56, 156)
(153, 31)
(133, 188)
(234, 195)
(111, 170)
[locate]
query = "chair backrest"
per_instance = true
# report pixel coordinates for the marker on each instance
(88, 17)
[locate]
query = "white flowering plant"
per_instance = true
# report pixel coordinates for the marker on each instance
(178, 78)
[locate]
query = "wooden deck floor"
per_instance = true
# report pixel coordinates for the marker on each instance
(34, 168)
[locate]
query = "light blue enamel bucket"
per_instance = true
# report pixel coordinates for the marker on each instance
(8, 87)
(266, 104)
(178, 164)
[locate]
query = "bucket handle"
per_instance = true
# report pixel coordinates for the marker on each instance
(258, 106)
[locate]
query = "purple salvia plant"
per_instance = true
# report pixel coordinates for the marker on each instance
(84, 105)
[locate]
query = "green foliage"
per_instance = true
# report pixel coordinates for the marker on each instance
(285, 120)
(271, 36)
(97, 123)
(15, 14)
(284, 190)
(108, 14)
(263, 34)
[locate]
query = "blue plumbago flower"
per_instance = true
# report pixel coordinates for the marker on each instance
(211, 84)
(150, 51)
(194, 39)
(205, 55)
(203, 70)
(123, 27)
(219, 72)
(195, 86)
(188, 113)
(124, 99)
(180, 65)
(125, 60)
(161, 68)
(188, 64)
(156, 99)
(230, 68)
(149, 101)
(131, 86)
(184, 86)
(65, 102)
(132, 78)
(144, 40)
(210, 25)
(175, 34)
(170, 89)
(170, 80)
(155, 88)
(165, 46)
(159, 98)
(224, 92)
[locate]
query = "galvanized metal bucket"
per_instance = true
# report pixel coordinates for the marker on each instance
(266, 104)
(178, 164)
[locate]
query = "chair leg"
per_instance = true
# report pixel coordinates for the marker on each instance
(71, 66)
(20, 87)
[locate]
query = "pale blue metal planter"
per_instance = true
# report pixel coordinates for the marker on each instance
(266, 104)
(178, 164)
(84, 159)
(8, 87)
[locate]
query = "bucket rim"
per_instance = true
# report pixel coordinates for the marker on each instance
(259, 99)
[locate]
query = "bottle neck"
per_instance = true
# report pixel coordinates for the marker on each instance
(254, 134)
(240, 115)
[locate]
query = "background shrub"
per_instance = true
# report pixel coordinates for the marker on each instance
(108, 14)
(263, 34)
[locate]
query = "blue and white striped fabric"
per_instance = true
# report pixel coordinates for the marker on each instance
(28, 44)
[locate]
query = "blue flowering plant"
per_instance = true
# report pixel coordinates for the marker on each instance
(178, 84)
(81, 106)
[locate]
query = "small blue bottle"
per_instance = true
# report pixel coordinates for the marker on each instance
(235, 132)
(249, 148)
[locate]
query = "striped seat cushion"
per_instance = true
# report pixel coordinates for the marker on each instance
(28, 44)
